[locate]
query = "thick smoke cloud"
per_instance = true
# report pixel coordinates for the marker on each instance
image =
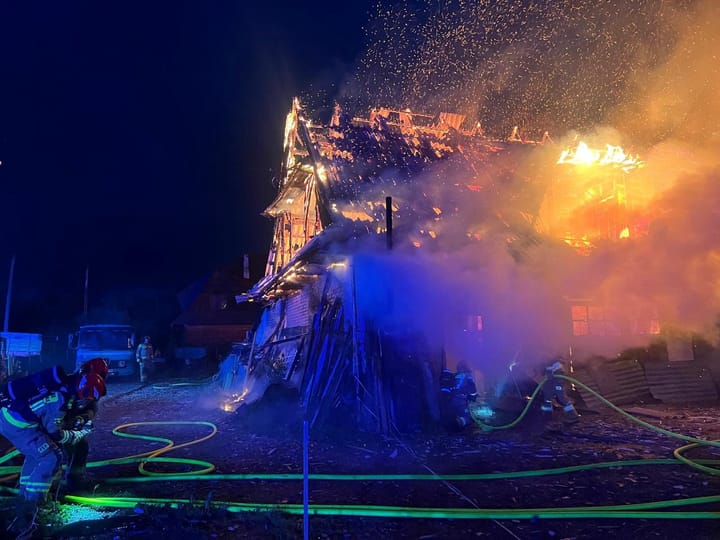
(636, 73)
(470, 260)
(674, 110)
(678, 100)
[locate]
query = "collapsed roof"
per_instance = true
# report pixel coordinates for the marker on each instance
(434, 183)
(337, 177)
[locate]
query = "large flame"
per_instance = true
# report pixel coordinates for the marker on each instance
(614, 156)
(597, 200)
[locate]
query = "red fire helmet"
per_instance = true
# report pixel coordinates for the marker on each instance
(95, 365)
(91, 386)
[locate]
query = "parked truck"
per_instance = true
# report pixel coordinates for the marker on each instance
(113, 342)
(19, 353)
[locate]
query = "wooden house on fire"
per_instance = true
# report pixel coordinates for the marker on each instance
(394, 236)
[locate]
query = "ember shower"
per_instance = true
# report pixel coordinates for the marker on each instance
(544, 65)
(641, 74)
(544, 199)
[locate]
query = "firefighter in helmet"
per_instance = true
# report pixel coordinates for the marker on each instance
(553, 391)
(81, 415)
(465, 392)
(144, 355)
(456, 391)
(34, 425)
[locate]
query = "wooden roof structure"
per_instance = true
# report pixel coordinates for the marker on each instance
(335, 179)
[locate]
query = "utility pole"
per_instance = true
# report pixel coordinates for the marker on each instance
(85, 293)
(8, 298)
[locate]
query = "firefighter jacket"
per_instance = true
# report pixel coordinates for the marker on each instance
(35, 428)
(144, 352)
(46, 414)
(465, 386)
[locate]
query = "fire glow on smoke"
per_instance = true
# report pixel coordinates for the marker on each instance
(645, 228)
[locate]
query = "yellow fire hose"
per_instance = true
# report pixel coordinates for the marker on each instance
(640, 510)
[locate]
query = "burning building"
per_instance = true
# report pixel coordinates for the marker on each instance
(400, 248)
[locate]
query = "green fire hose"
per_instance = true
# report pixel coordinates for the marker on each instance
(202, 471)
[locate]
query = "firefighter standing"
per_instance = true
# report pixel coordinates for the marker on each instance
(144, 356)
(34, 427)
(554, 391)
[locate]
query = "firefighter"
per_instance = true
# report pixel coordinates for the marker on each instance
(80, 416)
(456, 391)
(144, 356)
(34, 427)
(554, 391)
(465, 392)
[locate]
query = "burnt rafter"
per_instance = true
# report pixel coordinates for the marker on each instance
(341, 173)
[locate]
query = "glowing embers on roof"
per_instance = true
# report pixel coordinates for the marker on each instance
(369, 211)
(613, 156)
(354, 213)
(290, 132)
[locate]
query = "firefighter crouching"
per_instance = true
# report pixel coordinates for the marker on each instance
(32, 416)
(456, 391)
(553, 390)
(81, 416)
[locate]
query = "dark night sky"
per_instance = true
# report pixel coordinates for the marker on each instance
(137, 138)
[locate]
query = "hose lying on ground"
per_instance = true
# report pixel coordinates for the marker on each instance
(648, 510)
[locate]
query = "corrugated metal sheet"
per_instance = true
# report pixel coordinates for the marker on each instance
(680, 382)
(619, 381)
(297, 310)
(713, 364)
(585, 377)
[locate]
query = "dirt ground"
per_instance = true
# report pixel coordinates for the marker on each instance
(270, 441)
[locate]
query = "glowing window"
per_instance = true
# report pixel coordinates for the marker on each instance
(595, 321)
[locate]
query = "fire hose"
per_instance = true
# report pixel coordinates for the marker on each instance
(646, 510)
(182, 382)
(678, 452)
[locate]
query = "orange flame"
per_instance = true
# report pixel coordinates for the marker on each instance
(614, 156)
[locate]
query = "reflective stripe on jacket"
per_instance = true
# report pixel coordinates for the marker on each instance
(13, 418)
(48, 414)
